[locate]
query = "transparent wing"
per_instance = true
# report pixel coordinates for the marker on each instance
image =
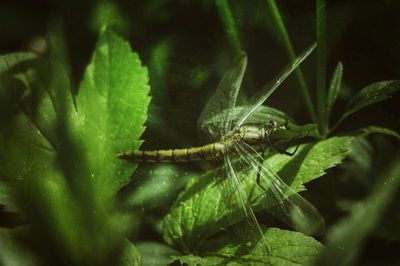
(262, 115)
(279, 199)
(223, 101)
(270, 87)
(235, 182)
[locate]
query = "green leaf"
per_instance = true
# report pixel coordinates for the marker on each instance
(287, 248)
(205, 207)
(130, 255)
(359, 161)
(152, 188)
(9, 216)
(346, 238)
(156, 254)
(17, 71)
(379, 130)
(59, 153)
(334, 87)
(107, 13)
(310, 161)
(13, 253)
(112, 105)
(371, 94)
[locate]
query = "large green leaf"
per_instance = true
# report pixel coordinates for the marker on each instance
(59, 153)
(206, 206)
(112, 106)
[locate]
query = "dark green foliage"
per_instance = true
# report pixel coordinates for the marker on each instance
(80, 95)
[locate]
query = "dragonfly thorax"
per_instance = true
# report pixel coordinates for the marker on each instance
(253, 134)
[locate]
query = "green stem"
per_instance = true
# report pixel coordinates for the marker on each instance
(321, 66)
(230, 27)
(289, 47)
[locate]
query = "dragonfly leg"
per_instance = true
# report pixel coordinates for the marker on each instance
(258, 180)
(284, 151)
(290, 143)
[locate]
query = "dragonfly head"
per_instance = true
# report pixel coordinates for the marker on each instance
(270, 130)
(283, 134)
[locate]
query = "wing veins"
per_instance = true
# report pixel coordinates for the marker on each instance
(271, 86)
(235, 180)
(286, 198)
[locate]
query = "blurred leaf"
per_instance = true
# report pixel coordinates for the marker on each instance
(202, 209)
(158, 65)
(12, 253)
(226, 16)
(371, 94)
(287, 248)
(389, 228)
(380, 130)
(9, 216)
(11, 67)
(359, 161)
(130, 255)
(156, 187)
(334, 87)
(345, 239)
(108, 13)
(155, 254)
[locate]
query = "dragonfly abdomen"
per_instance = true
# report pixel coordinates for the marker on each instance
(213, 151)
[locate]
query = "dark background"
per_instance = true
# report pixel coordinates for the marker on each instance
(363, 35)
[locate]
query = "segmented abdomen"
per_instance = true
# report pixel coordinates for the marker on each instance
(213, 151)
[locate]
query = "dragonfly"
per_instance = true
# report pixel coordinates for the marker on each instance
(241, 142)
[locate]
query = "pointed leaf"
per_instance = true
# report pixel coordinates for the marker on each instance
(112, 103)
(60, 154)
(371, 94)
(334, 87)
(380, 130)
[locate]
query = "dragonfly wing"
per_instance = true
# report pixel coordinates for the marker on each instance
(270, 87)
(236, 177)
(223, 101)
(278, 198)
(260, 116)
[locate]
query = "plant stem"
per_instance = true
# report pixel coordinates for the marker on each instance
(230, 27)
(321, 66)
(289, 48)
